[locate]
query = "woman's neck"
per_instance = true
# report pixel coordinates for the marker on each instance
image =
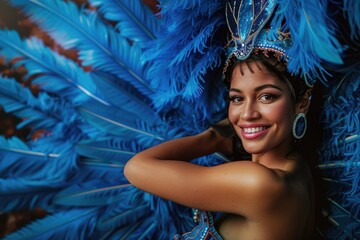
(277, 158)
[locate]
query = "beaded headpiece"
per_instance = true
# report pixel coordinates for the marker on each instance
(265, 25)
(246, 20)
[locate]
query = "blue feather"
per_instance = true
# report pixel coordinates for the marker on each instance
(44, 112)
(351, 9)
(123, 217)
(27, 162)
(136, 231)
(11, 204)
(19, 160)
(345, 225)
(192, 43)
(314, 35)
(117, 151)
(99, 45)
(134, 20)
(127, 216)
(146, 229)
(71, 224)
(123, 233)
(123, 95)
(340, 154)
(58, 74)
(30, 178)
(338, 164)
(92, 169)
(109, 165)
(121, 122)
(92, 193)
(31, 173)
(17, 146)
(19, 100)
(164, 211)
(126, 232)
(211, 160)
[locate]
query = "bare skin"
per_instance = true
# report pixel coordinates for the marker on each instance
(266, 198)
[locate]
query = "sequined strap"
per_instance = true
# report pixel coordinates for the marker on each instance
(204, 231)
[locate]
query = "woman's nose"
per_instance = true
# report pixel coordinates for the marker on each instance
(250, 111)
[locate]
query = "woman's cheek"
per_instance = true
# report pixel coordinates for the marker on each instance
(233, 114)
(279, 112)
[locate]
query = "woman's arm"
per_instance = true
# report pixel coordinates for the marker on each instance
(191, 147)
(234, 187)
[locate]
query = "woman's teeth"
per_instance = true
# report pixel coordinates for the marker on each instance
(254, 130)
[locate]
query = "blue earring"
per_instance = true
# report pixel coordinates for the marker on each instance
(299, 126)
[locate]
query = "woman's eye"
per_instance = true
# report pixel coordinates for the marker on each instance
(235, 99)
(267, 97)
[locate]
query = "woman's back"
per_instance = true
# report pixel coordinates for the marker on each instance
(292, 217)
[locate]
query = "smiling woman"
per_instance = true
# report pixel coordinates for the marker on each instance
(104, 80)
(263, 105)
(261, 198)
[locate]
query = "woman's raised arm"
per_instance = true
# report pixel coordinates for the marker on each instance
(163, 170)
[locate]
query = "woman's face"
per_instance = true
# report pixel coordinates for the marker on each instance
(260, 110)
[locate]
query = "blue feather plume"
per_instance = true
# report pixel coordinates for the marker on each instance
(19, 100)
(44, 112)
(122, 95)
(128, 212)
(91, 194)
(133, 19)
(57, 74)
(314, 34)
(99, 45)
(344, 224)
(34, 174)
(164, 211)
(185, 50)
(34, 193)
(28, 176)
(135, 231)
(340, 154)
(117, 151)
(19, 160)
(351, 9)
(91, 169)
(120, 122)
(70, 224)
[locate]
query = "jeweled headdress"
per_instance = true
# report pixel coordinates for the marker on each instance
(259, 25)
(246, 21)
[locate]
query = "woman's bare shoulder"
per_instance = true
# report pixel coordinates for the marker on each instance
(237, 187)
(253, 185)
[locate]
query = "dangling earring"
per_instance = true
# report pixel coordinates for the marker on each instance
(299, 126)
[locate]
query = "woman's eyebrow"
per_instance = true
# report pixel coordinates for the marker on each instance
(234, 90)
(259, 88)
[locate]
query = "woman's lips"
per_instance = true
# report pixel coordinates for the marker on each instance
(252, 132)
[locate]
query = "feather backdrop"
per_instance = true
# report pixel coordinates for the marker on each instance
(132, 20)
(150, 78)
(315, 33)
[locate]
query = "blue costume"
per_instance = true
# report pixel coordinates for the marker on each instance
(140, 79)
(205, 230)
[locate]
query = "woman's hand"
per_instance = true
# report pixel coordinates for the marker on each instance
(224, 134)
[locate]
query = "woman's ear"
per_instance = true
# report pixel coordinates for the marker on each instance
(303, 105)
